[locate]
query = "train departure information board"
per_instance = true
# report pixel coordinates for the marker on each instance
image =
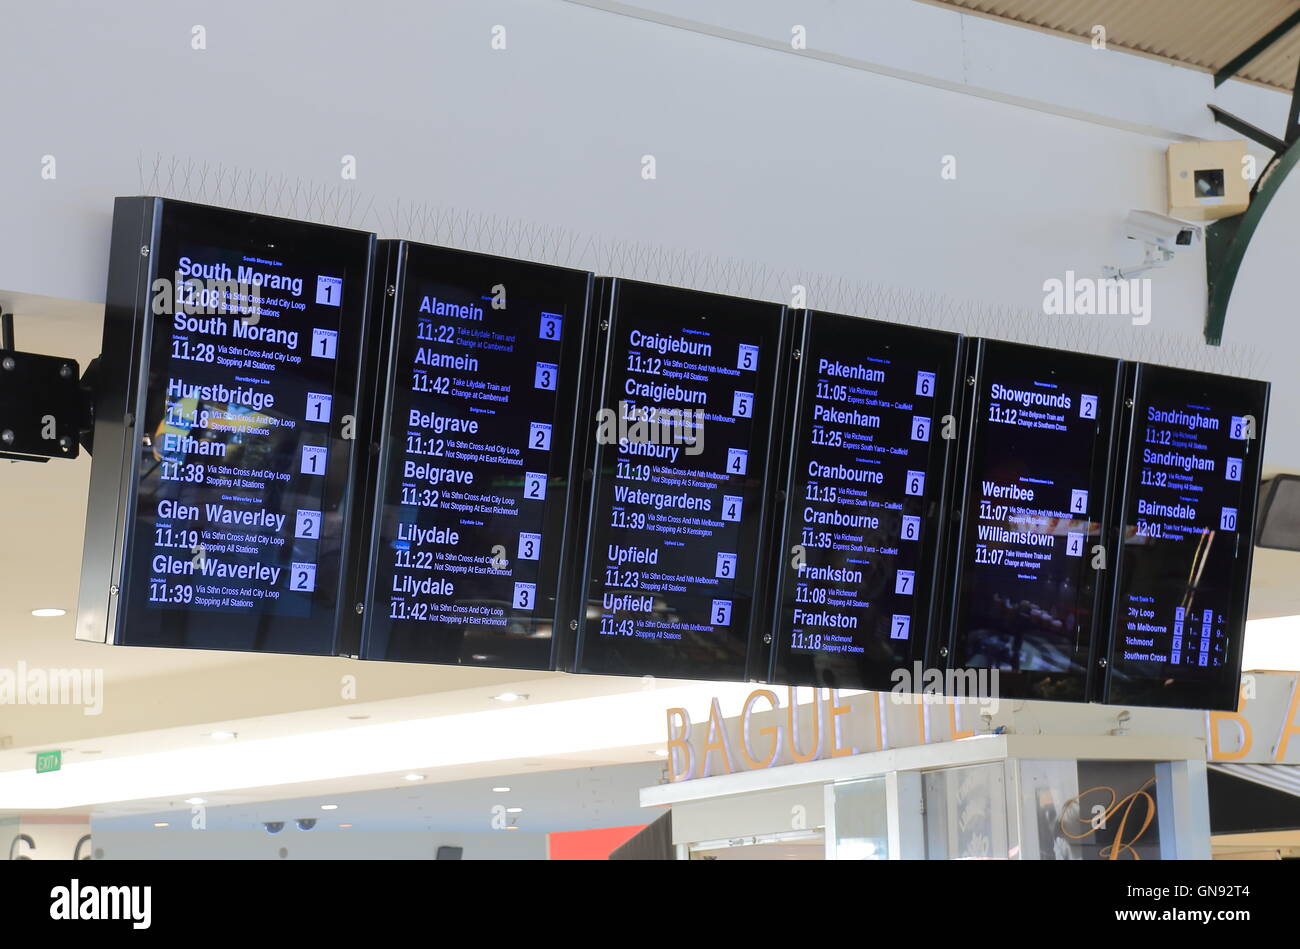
(484, 359)
(1190, 489)
(682, 453)
(240, 453)
(863, 511)
(1034, 504)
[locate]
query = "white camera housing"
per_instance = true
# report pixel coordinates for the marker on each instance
(1161, 238)
(1167, 233)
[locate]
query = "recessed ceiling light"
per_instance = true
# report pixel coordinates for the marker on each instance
(345, 826)
(413, 777)
(49, 611)
(501, 790)
(512, 827)
(162, 823)
(510, 697)
(329, 807)
(222, 736)
(514, 810)
(195, 801)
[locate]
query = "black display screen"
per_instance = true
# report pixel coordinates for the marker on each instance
(863, 512)
(243, 448)
(681, 463)
(470, 539)
(1188, 512)
(1033, 510)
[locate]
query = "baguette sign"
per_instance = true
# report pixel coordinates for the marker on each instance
(1265, 729)
(771, 731)
(833, 726)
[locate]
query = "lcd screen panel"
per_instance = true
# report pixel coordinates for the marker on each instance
(472, 540)
(1188, 511)
(682, 461)
(242, 334)
(1033, 509)
(863, 515)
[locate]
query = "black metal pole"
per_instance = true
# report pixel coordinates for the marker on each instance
(6, 331)
(1293, 116)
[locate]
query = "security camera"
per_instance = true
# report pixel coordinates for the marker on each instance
(274, 826)
(1166, 233)
(306, 823)
(1161, 238)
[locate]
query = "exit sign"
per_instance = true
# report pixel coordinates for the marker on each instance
(48, 761)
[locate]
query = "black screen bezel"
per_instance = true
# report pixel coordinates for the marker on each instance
(1221, 694)
(618, 296)
(530, 281)
(318, 634)
(993, 356)
(943, 350)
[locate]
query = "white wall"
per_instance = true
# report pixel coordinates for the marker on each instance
(773, 167)
(981, 56)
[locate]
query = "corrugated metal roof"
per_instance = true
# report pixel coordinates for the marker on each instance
(1279, 777)
(1201, 34)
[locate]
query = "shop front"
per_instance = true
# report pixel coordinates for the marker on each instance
(820, 774)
